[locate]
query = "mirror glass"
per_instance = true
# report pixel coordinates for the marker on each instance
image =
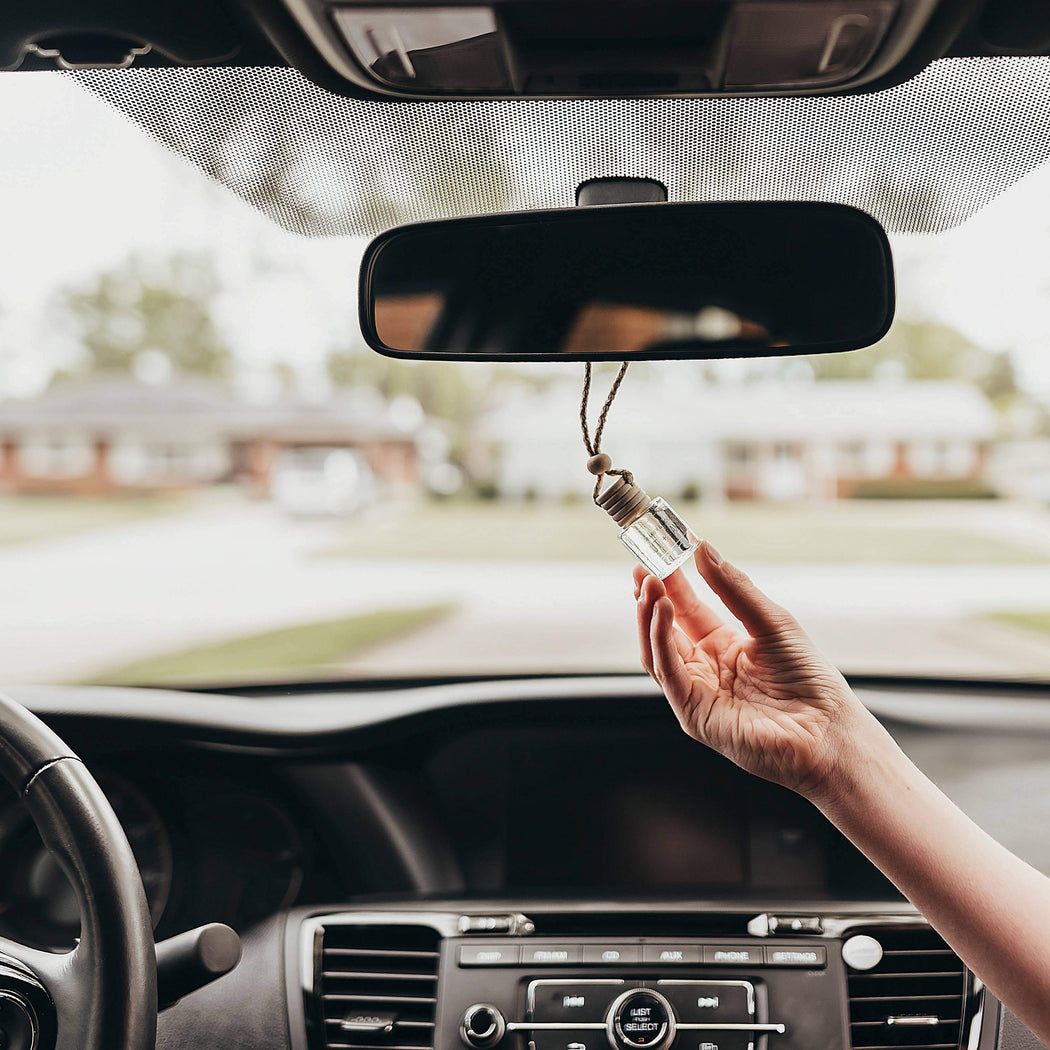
(631, 281)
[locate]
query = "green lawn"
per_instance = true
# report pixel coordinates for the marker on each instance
(275, 654)
(866, 533)
(24, 518)
(1030, 621)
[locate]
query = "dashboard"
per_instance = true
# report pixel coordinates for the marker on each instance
(539, 864)
(215, 841)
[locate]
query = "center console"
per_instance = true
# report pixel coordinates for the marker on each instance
(580, 978)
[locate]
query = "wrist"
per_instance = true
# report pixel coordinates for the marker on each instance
(862, 759)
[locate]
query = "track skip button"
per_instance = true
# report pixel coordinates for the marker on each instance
(572, 1002)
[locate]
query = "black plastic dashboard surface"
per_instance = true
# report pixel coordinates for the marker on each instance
(371, 771)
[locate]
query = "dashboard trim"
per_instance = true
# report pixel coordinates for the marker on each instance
(981, 1009)
(320, 722)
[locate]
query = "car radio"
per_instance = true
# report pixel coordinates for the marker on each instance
(420, 979)
(641, 994)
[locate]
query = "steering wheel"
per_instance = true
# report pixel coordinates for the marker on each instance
(103, 994)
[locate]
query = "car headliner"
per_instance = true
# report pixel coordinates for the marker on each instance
(921, 157)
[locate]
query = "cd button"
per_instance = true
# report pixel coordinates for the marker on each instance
(612, 954)
(572, 1001)
(697, 1002)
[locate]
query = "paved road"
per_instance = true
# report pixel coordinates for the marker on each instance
(76, 605)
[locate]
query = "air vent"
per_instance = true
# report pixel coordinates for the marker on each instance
(914, 995)
(377, 987)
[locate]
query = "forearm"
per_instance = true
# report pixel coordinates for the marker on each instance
(991, 907)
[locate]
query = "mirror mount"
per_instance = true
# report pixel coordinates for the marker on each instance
(620, 191)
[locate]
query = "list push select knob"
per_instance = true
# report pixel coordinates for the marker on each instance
(640, 1019)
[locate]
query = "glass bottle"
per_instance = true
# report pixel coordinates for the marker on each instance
(649, 528)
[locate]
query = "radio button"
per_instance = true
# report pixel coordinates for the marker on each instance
(612, 954)
(571, 1002)
(671, 954)
(551, 955)
(714, 1002)
(733, 955)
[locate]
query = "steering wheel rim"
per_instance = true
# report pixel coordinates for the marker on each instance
(103, 994)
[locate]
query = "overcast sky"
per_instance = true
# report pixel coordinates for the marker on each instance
(81, 188)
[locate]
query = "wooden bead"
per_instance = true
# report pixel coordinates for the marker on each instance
(599, 464)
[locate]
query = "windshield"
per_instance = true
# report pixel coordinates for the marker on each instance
(207, 478)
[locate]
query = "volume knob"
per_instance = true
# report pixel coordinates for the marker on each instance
(482, 1027)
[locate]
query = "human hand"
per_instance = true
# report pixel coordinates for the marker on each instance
(767, 699)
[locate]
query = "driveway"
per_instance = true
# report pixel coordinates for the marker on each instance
(77, 605)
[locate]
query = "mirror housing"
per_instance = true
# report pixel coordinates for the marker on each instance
(637, 281)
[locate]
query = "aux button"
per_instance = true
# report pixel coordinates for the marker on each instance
(640, 1019)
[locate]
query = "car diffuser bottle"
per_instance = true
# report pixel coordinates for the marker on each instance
(649, 528)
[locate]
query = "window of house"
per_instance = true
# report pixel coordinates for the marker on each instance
(56, 456)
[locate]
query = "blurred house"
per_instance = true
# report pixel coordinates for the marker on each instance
(116, 434)
(780, 441)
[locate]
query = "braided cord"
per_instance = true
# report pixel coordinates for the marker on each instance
(594, 447)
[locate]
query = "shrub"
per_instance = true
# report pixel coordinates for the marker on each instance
(924, 488)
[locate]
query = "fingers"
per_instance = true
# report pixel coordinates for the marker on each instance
(649, 591)
(669, 668)
(742, 598)
(639, 578)
(691, 613)
(682, 642)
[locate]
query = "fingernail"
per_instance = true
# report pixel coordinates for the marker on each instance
(712, 555)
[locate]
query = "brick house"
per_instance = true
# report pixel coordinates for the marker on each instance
(764, 441)
(113, 434)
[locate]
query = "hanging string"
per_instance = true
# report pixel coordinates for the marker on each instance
(594, 448)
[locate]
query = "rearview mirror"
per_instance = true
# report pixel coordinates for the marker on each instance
(656, 281)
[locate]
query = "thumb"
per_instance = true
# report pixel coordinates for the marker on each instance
(762, 618)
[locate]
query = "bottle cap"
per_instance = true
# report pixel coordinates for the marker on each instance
(624, 501)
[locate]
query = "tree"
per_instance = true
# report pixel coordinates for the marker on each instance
(165, 305)
(441, 387)
(926, 350)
